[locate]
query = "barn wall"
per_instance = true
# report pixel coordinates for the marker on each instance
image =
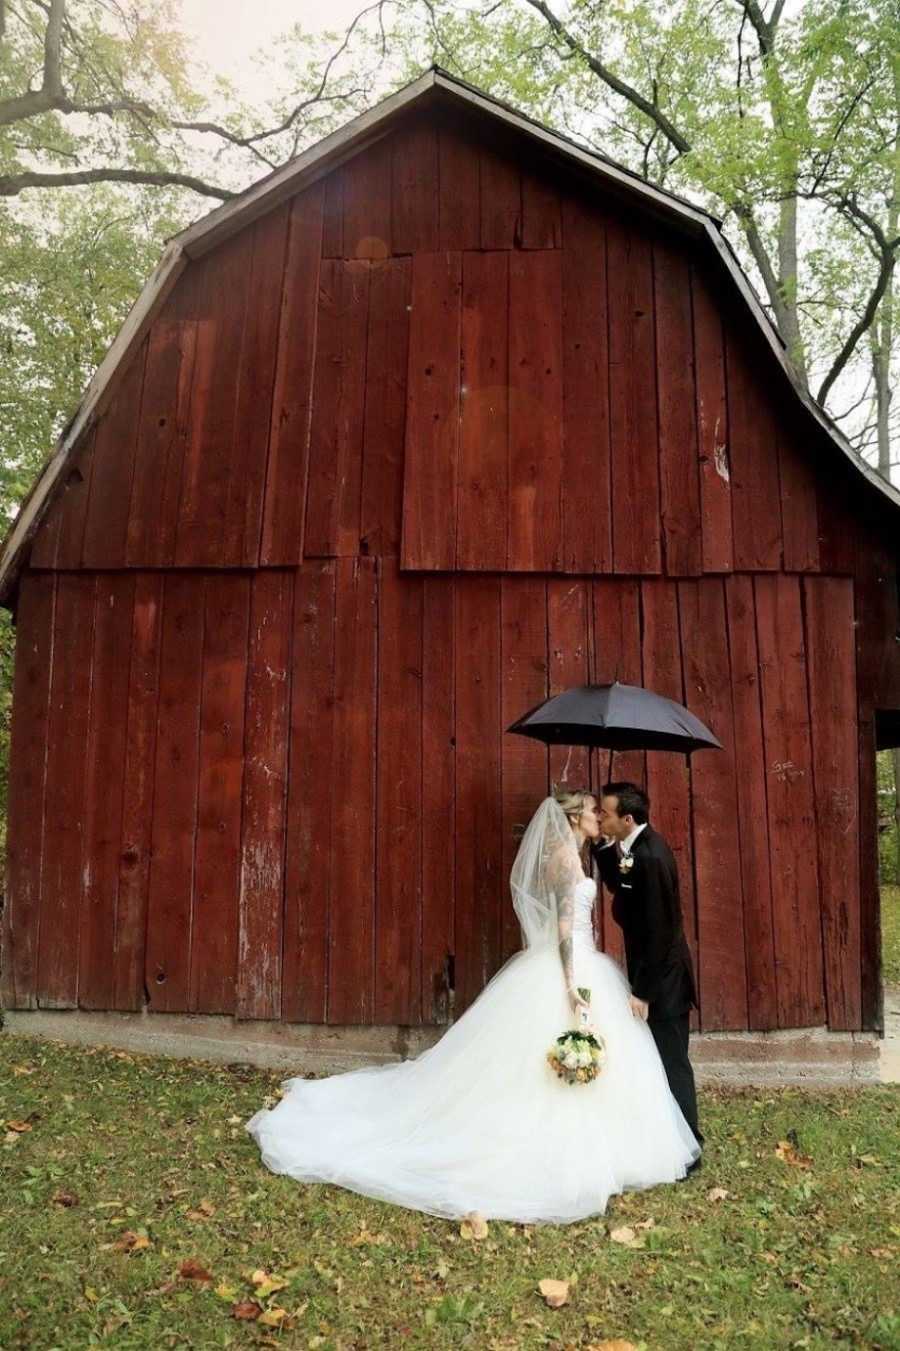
(438, 436)
(211, 828)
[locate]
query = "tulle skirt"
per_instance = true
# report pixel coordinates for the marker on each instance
(480, 1122)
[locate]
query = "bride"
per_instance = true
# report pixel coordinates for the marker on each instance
(480, 1122)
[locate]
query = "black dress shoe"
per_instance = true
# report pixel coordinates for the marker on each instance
(696, 1165)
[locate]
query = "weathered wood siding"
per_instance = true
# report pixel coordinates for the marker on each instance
(439, 436)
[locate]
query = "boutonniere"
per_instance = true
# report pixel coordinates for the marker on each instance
(626, 863)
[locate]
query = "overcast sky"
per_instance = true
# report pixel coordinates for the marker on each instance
(229, 32)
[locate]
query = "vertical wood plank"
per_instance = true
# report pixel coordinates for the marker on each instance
(162, 440)
(64, 794)
(753, 442)
(106, 523)
(27, 775)
(398, 821)
(387, 354)
(541, 212)
(669, 775)
(171, 887)
(830, 631)
(482, 496)
(792, 833)
(254, 378)
(714, 808)
(138, 799)
(308, 874)
(105, 755)
(799, 514)
(632, 395)
(73, 507)
(336, 430)
(752, 804)
(217, 855)
(46, 537)
(266, 739)
(415, 201)
(535, 411)
(678, 456)
(284, 506)
(223, 305)
(351, 951)
(478, 832)
(523, 644)
(712, 428)
(500, 199)
(459, 191)
(367, 202)
(568, 606)
(432, 412)
(586, 482)
(439, 852)
(333, 215)
(617, 656)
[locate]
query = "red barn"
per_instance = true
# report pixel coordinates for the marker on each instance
(445, 415)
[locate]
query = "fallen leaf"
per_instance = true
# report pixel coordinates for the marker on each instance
(474, 1226)
(192, 1270)
(717, 1194)
(22, 1069)
(273, 1318)
(62, 1197)
(129, 1241)
(614, 1344)
(788, 1154)
(555, 1293)
(226, 1291)
(645, 1224)
(246, 1309)
(627, 1237)
(18, 1126)
(364, 1237)
(870, 1159)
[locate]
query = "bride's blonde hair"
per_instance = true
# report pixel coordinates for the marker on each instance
(572, 802)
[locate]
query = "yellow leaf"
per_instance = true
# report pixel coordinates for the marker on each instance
(614, 1344)
(717, 1194)
(273, 1318)
(225, 1291)
(555, 1293)
(474, 1226)
(788, 1154)
(90, 1294)
(627, 1237)
(870, 1159)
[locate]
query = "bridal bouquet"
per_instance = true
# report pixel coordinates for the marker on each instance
(578, 1056)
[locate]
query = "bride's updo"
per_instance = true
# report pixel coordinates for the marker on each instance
(572, 801)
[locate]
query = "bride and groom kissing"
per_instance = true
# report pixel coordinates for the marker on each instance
(479, 1121)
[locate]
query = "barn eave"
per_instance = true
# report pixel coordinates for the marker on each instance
(435, 86)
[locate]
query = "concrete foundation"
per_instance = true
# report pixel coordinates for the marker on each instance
(812, 1057)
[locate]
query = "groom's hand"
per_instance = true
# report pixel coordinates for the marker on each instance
(639, 1007)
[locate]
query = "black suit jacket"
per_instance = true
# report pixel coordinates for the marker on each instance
(647, 907)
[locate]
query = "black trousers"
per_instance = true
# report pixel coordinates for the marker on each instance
(671, 1036)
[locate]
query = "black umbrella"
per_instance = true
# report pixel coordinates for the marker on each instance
(620, 717)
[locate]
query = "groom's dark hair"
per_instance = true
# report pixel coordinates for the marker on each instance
(633, 801)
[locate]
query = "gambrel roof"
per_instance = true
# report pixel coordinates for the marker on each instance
(435, 87)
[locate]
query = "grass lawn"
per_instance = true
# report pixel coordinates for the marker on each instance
(890, 934)
(127, 1180)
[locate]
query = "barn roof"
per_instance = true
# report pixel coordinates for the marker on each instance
(435, 87)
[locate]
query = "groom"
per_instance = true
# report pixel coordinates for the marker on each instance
(639, 868)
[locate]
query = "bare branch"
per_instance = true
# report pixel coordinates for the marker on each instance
(612, 81)
(12, 184)
(863, 323)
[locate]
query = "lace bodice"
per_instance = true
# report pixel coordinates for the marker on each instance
(585, 894)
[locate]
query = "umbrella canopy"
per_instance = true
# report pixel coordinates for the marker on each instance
(620, 717)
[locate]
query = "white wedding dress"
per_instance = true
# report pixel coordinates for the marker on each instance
(480, 1122)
